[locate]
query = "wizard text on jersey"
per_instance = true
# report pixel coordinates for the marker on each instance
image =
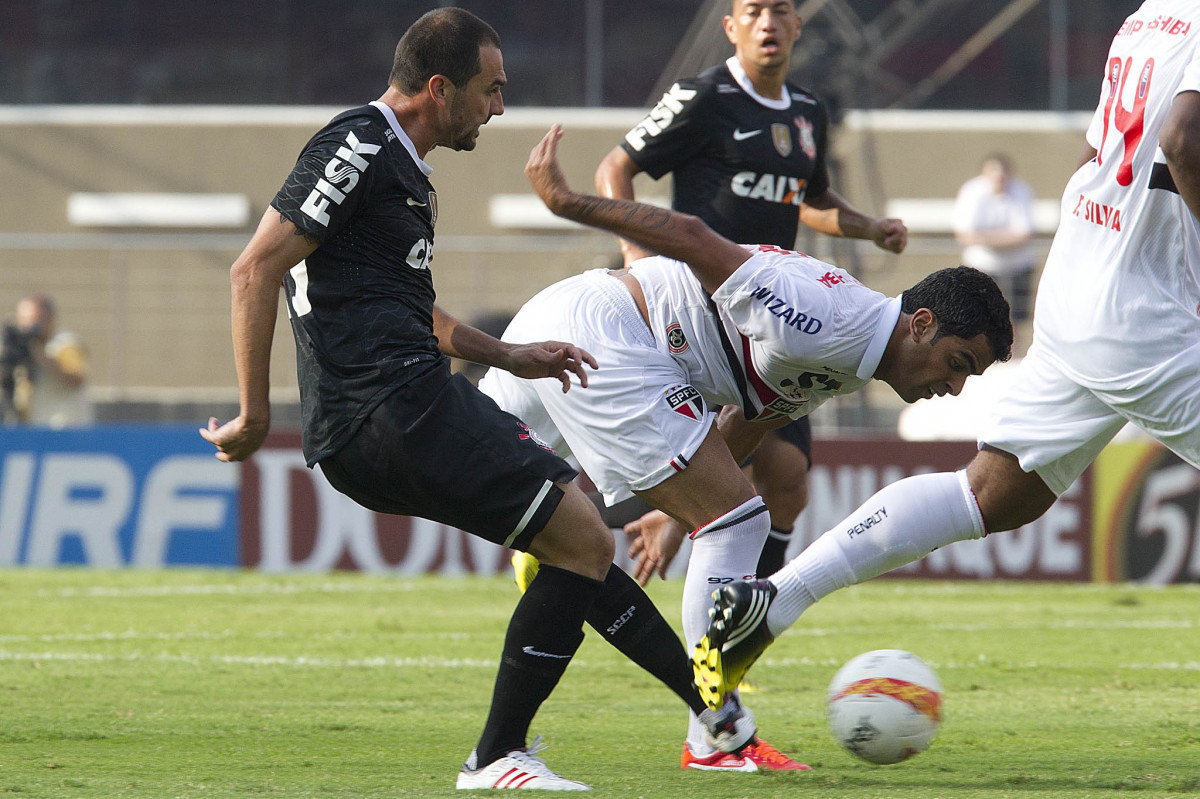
(791, 317)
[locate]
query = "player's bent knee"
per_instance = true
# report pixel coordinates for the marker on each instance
(576, 538)
(786, 502)
(1008, 496)
(793, 499)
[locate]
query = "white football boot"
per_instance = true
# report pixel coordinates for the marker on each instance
(520, 769)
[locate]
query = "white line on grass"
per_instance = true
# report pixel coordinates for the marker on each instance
(351, 586)
(1190, 665)
(814, 632)
(455, 663)
(130, 635)
(232, 589)
(260, 660)
(1066, 624)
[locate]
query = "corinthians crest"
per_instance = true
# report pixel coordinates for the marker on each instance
(433, 207)
(808, 142)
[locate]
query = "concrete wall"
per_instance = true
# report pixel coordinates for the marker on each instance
(152, 304)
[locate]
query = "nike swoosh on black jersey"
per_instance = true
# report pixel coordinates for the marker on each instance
(738, 135)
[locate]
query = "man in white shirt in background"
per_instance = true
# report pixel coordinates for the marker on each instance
(993, 221)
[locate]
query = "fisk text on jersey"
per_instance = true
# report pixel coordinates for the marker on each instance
(346, 167)
(660, 116)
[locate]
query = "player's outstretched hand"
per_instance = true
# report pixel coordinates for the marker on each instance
(544, 173)
(235, 440)
(551, 359)
(654, 541)
(890, 235)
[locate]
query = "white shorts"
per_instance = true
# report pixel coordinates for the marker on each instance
(1056, 427)
(639, 421)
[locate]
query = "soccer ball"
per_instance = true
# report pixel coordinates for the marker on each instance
(884, 706)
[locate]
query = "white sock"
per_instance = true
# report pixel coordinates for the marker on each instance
(724, 550)
(902, 522)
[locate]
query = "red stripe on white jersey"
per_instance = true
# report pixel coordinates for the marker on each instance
(766, 394)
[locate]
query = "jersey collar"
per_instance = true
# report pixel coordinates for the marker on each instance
(390, 116)
(739, 74)
(879, 341)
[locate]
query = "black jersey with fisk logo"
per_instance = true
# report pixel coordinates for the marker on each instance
(361, 305)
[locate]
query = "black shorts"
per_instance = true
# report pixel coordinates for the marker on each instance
(440, 449)
(798, 433)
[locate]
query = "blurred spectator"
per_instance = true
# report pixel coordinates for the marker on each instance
(42, 369)
(993, 221)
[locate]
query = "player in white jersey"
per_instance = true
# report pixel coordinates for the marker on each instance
(793, 332)
(1117, 323)
(1116, 340)
(769, 330)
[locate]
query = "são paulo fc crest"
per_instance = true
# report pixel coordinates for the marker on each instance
(686, 401)
(781, 137)
(807, 142)
(676, 341)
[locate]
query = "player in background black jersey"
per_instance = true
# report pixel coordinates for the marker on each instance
(350, 238)
(746, 149)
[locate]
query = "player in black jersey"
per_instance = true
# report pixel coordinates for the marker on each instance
(746, 149)
(350, 237)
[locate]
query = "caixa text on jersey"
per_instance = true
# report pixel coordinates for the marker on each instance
(773, 188)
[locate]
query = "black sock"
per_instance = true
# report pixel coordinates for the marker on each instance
(628, 620)
(545, 630)
(773, 552)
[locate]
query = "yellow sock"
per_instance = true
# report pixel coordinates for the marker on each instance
(525, 568)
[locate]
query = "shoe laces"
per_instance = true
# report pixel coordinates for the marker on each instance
(529, 760)
(768, 754)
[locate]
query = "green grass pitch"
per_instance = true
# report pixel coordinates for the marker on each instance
(239, 684)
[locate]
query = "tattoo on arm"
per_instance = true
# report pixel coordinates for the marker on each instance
(640, 215)
(590, 205)
(308, 238)
(660, 230)
(650, 217)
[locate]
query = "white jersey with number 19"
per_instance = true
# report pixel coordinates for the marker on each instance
(1116, 329)
(1120, 292)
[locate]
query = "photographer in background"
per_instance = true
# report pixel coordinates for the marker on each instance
(42, 369)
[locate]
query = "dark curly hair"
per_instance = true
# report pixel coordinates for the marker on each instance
(444, 41)
(965, 302)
